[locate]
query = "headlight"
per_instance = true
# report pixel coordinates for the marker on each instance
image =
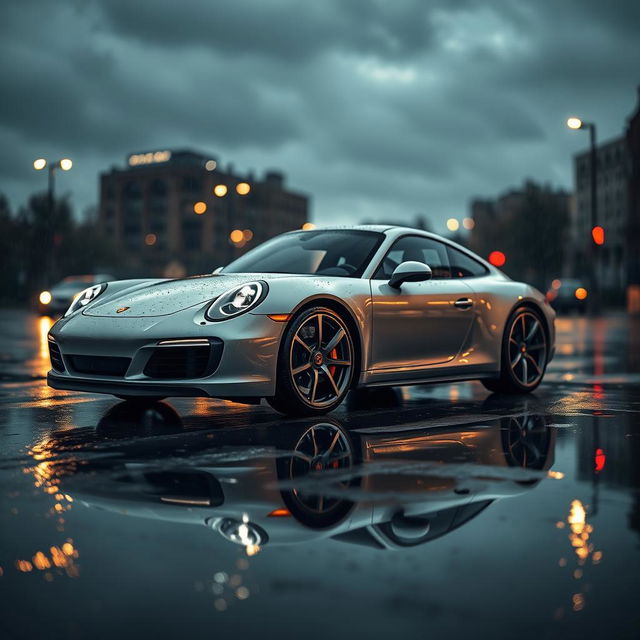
(85, 297)
(241, 532)
(237, 300)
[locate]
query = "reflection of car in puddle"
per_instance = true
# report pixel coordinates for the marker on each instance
(311, 479)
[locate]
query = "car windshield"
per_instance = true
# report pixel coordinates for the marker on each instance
(331, 252)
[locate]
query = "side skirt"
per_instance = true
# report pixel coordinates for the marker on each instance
(404, 378)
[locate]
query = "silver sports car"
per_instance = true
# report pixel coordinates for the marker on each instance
(305, 317)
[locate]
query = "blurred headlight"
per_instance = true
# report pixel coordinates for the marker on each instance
(236, 301)
(45, 297)
(85, 297)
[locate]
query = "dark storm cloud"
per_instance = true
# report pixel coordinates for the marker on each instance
(281, 29)
(379, 109)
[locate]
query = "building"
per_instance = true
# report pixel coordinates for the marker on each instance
(633, 212)
(171, 212)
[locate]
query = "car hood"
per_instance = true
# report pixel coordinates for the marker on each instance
(168, 296)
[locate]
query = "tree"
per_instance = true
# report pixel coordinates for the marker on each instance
(530, 226)
(37, 249)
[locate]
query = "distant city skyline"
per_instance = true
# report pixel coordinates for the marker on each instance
(378, 111)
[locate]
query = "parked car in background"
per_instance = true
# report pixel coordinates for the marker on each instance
(568, 294)
(56, 300)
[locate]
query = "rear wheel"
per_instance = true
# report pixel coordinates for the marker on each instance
(316, 364)
(524, 354)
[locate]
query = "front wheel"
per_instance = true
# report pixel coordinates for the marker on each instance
(315, 365)
(524, 354)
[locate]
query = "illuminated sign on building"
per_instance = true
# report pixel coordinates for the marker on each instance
(149, 158)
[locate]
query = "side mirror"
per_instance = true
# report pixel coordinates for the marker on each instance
(409, 271)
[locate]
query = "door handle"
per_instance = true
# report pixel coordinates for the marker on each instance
(463, 303)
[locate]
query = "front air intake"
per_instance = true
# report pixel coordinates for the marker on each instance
(57, 364)
(177, 361)
(100, 365)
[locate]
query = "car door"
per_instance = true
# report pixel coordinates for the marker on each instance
(422, 323)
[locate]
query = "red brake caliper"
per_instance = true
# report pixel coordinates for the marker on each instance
(334, 356)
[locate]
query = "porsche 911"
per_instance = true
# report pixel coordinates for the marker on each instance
(305, 317)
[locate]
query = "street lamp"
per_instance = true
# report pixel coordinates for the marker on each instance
(39, 165)
(575, 124)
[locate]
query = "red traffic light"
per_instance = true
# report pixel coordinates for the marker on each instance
(597, 233)
(497, 258)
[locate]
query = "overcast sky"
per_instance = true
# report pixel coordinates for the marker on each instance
(378, 109)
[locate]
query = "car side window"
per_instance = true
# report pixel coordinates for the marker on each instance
(418, 249)
(463, 266)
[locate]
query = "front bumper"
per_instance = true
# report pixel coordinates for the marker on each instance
(246, 369)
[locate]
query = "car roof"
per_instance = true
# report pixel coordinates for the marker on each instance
(380, 228)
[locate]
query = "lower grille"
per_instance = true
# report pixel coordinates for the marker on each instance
(100, 365)
(183, 362)
(57, 363)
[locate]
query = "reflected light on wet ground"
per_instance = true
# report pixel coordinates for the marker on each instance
(439, 508)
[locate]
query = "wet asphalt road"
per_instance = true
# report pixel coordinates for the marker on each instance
(428, 511)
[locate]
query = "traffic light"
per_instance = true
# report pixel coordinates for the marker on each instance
(497, 258)
(597, 233)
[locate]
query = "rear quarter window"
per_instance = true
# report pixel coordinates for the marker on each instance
(463, 266)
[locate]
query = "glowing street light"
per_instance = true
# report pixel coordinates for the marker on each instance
(453, 224)
(574, 123)
(236, 236)
(39, 164)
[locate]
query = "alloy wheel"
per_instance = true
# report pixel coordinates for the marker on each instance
(322, 447)
(527, 348)
(321, 359)
(526, 440)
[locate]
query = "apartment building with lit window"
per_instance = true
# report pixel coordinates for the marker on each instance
(169, 212)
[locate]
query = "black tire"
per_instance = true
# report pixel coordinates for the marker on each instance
(317, 349)
(524, 353)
